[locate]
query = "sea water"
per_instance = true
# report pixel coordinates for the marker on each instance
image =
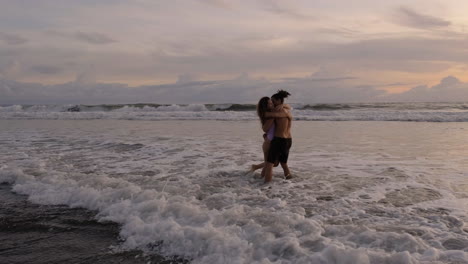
(416, 112)
(362, 192)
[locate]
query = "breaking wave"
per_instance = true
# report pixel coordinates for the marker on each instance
(407, 112)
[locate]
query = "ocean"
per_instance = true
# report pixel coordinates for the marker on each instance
(416, 112)
(147, 183)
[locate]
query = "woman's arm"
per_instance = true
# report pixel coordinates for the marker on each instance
(268, 123)
(282, 107)
(276, 114)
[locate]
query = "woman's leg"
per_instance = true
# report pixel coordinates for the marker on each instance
(265, 148)
(255, 167)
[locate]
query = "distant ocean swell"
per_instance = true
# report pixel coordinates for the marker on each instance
(411, 112)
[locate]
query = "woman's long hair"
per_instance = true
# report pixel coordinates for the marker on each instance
(262, 108)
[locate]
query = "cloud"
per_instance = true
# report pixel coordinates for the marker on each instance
(185, 78)
(450, 89)
(87, 76)
(241, 89)
(331, 79)
(218, 39)
(10, 68)
(45, 69)
(217, 3)
(412, 55)
(93, 38)
(13, 92)
(12, 39)
(398, 84)
(411, 18)
(322, 75)
(281, 8)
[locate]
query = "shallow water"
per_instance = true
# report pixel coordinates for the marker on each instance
(363, 192)
(31, 233)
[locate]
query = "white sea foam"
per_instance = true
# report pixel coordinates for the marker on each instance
(131, 109)
(200, 112)
(183, 108)
(181, 189)
(12, 108)
(436, 112)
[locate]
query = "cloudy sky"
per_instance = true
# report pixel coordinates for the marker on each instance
(220, 51)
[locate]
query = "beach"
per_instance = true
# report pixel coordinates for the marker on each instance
(130, 131)
(32, 233)
(362, 192)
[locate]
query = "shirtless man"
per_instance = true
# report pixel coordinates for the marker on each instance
(281, 143)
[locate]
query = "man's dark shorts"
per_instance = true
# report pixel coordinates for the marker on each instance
(279, 150)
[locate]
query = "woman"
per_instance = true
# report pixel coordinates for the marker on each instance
(267, 112)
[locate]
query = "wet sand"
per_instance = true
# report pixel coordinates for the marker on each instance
(31, 233)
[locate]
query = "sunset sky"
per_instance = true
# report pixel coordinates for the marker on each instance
(202, 51)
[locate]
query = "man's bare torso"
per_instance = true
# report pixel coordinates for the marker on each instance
(283, 127)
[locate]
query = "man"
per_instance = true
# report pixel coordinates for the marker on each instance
(282, 141)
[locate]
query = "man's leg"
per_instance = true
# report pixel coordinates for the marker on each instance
(284, 159)
(287, 173)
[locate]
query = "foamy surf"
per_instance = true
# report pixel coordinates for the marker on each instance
(180, 189)
(407, 112)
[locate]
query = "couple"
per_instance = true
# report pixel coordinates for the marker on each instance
(276, 123)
